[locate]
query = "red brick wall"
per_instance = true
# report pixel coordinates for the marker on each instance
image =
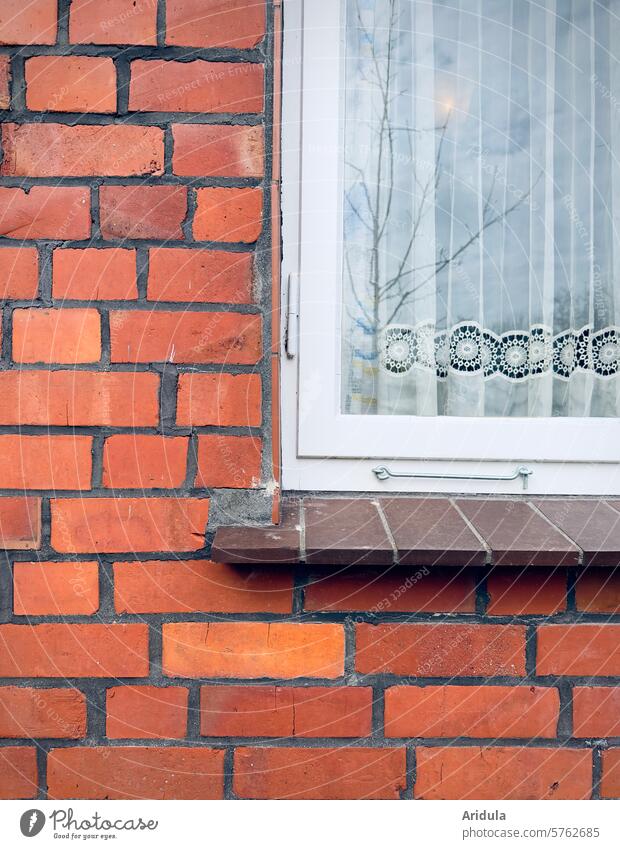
(134, 396)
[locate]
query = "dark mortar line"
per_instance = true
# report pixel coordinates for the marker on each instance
(187, 225)
(96, 699)
(597, 772)
(123, 75)
(349, 648)
(300, 581)
(531, 644)
(142, 274)
(46, 525)
(193, 712)
(228, 247)
(7, 336)
(378, 713)
(18, 89)
(42, 750)
(136, 306)
(78, 181)
(45, 276)
(481, 591)
(161, 23)
(168, 399)
(106, 347)
(131, 52)
(22, 115)
(155, 650)
(411, 772)
(572, 576)
(191, 465)
(97, 460)
(131, 368)
(229, 769)
(62, 37)
(106, 588)
(6, 589)
(77, 430)
(168, 151)
(565, 717)
(95, 212)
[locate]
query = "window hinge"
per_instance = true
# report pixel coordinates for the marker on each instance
(291, 331)
(383, 473)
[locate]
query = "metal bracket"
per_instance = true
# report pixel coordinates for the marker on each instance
(291, 332)
(523, 472)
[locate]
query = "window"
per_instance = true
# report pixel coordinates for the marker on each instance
(451, 223)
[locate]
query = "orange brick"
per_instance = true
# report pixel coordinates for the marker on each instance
(54, 712)
(503, 773)
(61, 650)
(31, 23)
(147, 712)
(253, 650)
(219, 399)
(113, 22)
(229, 461)
(173, 586)
(42, 588)
(56, 336)
(159, 85)
(610, 779)
(19, 273)
(20, 523)
(200, 276)
(598, 591)
(142, 212)
(94, 274)
(45, 212)
(70, 84)
(185, 337)
(210, 150)
(144, 462)
(18, 772)
(319, 773)
(596, 712)
(517, 592)
(578, 650)
(238, 711)
(485, 711)
(135, 772)
(45, 462)
(59, 150)
(213, 23)
(78, 398)
(5, 81)
(229, 215)
(128, 524)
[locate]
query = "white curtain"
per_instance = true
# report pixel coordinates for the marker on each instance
(481, 225)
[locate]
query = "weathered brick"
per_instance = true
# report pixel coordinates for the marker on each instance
(128, 524)
(56, 336)
(45, 212)
(31, 712)
(45, 462)
(19, 273)
(200, 276)
(137, 461)
(142, 212)
(135, 772)
(61, 650)
(253, 650)
(159, 85)
(113, 22)
(228, 215)
(518, 592)
(18, 772)
(211, 150)
(94, 274)
(185, 337)
(319, 773)
(598, 591)
(31, 23)
(610, 778)
(238, 711)
(5, 81)
(596, 712)
(174, 586)
(147, 712)
(59, 150)
(20, 523)
(229, 461)
(51, 588)
(70, 84)
(578, 650)
(219, 399)
(212, 23)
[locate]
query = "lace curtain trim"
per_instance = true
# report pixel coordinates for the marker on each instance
(468, 348)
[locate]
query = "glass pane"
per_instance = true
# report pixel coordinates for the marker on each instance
(481, 236)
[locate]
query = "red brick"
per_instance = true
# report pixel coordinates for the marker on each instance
(32, 23)
(578, 650)
(113, 22)
(515, 592)
(61, 650)
(596, 712)
(210, 150)
(128, 524)
(319, 773)
(238, 711)
(144, 462)
(219, 399)
(253, 650)
(5, 81)
(135, 772)
(503, 773)
(42, 588)
(147, 712)
(598, 591)
(45, 462)
(58, 150)
(56, 336)
(610, 780)
(228, 215)
(215, 23)
(78, 398)
(94, 274)
(70, 84)
(142, 212)
(199, 276)
(45, 212)
(185, 337)
(453, 711)
(20, 523)
(397, 590)
(229, 461)
(29, 712)
(441, 650)
(159, 85)
(19, 273)
(18, 772)
(175, 586)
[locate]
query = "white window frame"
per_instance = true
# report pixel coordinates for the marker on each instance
(323, 449)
